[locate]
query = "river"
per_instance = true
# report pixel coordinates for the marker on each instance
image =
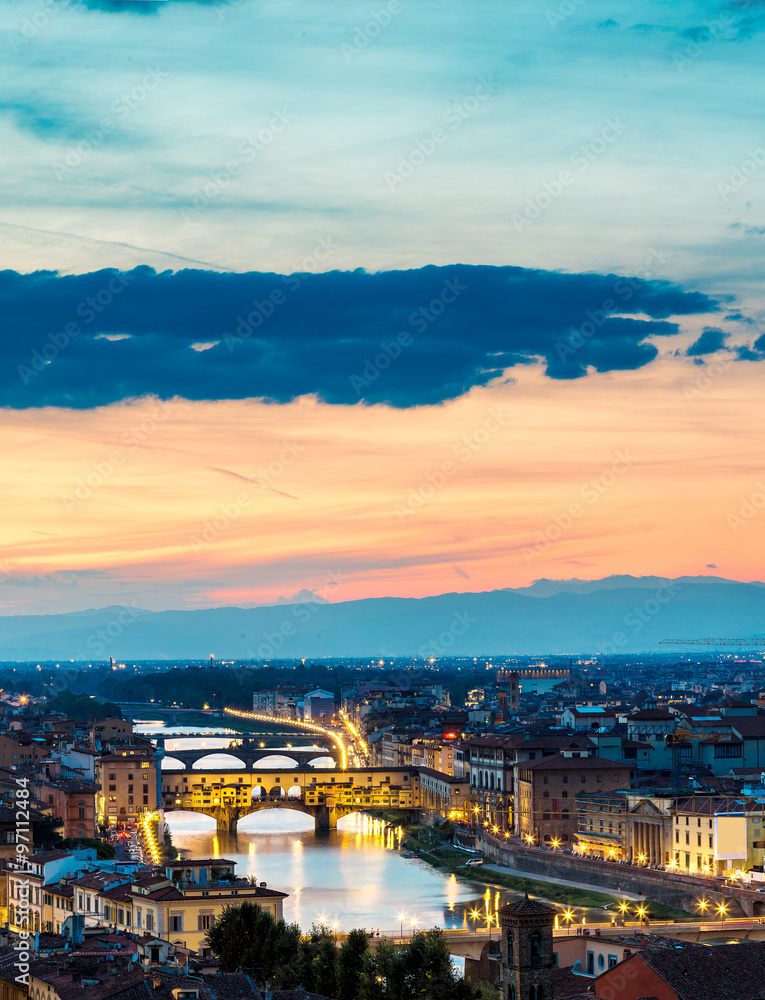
(352, 877)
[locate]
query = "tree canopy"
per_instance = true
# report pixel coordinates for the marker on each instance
(248, 938)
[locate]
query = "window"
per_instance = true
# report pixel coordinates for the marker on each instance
(112, 788)
(130, 788)
(698, 838)
(687, 838)
(176, 921)
(565, 779)
(149, 920)
(81, 813)
(112, 777)
(612, 961)
(711, 843)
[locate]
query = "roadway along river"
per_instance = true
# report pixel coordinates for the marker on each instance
(354, 876)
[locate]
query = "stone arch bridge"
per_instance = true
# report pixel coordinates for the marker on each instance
(249, 751)
(326, 794)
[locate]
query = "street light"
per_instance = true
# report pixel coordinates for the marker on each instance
(703, 905)
(642, 913)
(556, 844)
(401, 917)
(413, 924)
(722, 909)
(568, 916)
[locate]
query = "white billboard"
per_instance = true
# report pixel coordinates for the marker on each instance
(730, 838)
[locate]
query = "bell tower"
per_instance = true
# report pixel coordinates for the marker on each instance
(527, 950)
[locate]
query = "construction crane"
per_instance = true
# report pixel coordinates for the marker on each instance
(713, 642)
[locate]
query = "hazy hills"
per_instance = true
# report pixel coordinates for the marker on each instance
(614, 615)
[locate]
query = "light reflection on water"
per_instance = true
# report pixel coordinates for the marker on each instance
(354, 875)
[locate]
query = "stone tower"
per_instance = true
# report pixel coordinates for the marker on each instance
(527, 950)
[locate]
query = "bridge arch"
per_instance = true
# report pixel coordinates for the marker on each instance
(275, 762)
(322, 761)
(170, 763)
(294, 793)
(218, 760)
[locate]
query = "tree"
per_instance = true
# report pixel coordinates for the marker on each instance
(350, 964)
(249, 938)
(421, 971)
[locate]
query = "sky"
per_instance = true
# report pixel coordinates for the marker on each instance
(374, 299)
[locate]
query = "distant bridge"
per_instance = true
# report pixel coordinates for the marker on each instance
(325, 794)
(132, 709)
(249, 752)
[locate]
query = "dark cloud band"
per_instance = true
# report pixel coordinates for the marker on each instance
(405, 338)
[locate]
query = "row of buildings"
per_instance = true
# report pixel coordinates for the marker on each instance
(665, 783)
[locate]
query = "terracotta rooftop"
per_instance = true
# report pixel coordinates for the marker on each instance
(527, 908)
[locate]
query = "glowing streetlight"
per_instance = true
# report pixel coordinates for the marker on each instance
(642, 859)
(401, 917)
(568, 916)
(642, 913)
(703, 905)
(413, 924)
(556, 844)
(722, 909)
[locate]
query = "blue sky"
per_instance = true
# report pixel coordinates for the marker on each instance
(205, 150)
(351, 107)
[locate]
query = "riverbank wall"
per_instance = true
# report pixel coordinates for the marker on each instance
(656, 886)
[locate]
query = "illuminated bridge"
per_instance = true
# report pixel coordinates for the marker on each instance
(249, 752)
(325, 794)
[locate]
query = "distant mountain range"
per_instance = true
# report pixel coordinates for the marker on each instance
(619, 614)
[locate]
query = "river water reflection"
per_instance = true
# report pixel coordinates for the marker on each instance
(354, 877)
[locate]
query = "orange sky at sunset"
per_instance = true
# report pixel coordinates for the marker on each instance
(333, 492)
